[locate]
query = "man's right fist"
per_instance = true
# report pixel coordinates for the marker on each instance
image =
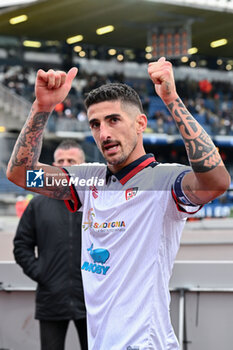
(52, 87)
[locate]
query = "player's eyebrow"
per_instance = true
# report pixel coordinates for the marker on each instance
(112, 115)
(109, 116)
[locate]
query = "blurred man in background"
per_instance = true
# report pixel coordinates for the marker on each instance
(50, 229)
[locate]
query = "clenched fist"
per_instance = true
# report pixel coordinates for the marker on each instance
(52, 87)
(161, 74)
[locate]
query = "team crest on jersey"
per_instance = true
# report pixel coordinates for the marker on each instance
(131, 192)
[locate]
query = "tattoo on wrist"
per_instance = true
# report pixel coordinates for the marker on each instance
(168, 88)
(202, 153)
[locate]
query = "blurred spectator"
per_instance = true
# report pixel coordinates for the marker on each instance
(205, 86)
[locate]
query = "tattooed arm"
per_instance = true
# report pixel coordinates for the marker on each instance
(51, 88)
(209, 177)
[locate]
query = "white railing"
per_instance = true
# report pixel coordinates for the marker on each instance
(14, 105)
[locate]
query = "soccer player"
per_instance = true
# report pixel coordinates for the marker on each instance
(132, 223)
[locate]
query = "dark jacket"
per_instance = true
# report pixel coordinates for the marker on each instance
(48, 226)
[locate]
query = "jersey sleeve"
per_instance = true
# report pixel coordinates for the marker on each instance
(183, 203)
(178, 206)
(75, 204)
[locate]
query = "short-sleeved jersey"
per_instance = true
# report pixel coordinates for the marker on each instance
(131, 235)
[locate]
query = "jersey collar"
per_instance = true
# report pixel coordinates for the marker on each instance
(132, 169)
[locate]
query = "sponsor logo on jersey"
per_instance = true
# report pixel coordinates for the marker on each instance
(132, 348)
(131, 192)
(99, 256)
(90, 223)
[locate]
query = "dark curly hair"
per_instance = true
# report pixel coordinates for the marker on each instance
(114, 92)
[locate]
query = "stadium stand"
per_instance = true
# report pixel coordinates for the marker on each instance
(213, 108)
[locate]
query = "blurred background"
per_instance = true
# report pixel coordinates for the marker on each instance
(113, 41)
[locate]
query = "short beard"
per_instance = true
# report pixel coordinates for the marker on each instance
(123, 158)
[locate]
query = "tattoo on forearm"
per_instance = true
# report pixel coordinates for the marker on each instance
(28, 146)
(202, 153)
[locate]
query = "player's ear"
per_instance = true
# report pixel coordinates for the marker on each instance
(141, 123)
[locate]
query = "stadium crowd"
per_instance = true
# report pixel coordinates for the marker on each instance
(211, 103)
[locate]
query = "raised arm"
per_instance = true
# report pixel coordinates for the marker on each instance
(209, 178)
(51, 88)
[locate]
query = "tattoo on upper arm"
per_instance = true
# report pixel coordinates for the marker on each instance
(58, 192)
(202, 153)
(61, 192)
(28, 146)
